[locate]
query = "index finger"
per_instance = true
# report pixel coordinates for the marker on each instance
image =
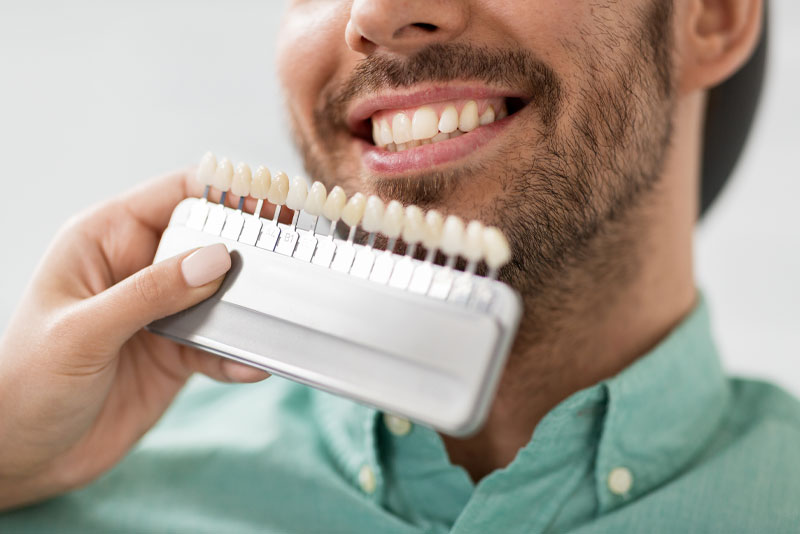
(152, 202)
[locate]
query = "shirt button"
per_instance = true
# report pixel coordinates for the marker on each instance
(397, 425)
(366, 479)
(620, 480)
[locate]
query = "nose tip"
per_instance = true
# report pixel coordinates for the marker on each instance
(403, 27)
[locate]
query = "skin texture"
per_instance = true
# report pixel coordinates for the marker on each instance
(595, 182)
(80, 381)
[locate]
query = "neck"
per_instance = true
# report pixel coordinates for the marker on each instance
(627, 312)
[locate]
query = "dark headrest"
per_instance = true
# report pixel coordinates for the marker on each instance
(729, 116)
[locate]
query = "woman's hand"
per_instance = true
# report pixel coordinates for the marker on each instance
(80, 381)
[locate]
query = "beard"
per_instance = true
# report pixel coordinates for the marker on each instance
(572, 182)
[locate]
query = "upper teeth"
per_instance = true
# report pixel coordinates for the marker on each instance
(401, 130)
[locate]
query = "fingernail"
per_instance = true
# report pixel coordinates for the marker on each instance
(205, 265)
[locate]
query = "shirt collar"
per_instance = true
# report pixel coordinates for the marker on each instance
(662, 410)
(651, 419)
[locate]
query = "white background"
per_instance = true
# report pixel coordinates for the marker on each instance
(96, 96)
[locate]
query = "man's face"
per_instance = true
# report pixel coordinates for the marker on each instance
(580, 92)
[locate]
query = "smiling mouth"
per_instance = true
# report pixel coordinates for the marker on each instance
(404, 128)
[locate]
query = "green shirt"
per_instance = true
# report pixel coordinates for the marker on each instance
(669, 445)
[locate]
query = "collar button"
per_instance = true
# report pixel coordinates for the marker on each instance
(620, 481)
(366, 479)
(398, 426)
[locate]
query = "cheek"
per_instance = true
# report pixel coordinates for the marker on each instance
(554, 32)
(310, 50)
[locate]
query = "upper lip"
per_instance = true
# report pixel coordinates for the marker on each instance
(363, 108)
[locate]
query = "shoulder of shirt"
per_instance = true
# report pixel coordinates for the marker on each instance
(744, 480)
(756, 401)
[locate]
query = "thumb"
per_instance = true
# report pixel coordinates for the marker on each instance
(161, 289)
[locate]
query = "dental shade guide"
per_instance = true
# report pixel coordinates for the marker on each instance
(422, 276)
(240, 187)
(259, 187)
(412, 232)
(332, 210)
(409, 337)
(345, 253)
(391, 226)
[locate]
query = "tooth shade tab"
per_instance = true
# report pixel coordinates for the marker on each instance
(433, 229)
(278, 189)
(373, 214)
(393, 219)
(334, 204)
(452, 235)
(261, 183)
(472, 250)
(207, 169)
(242, 179)
(496, 249)
(315, 200)
(354, 209)
(413, 225)
(224, 175)
(298, 192)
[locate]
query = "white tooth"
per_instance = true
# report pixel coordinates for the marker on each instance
(401, 147)
(298, 192)
(487, 117)
(452, 235)
(414, 225)
(261, 183)
(393, 219)
(332, 210)
(224, 175)
(376, 133)
(401, 128)
(433, 229)
(449, 120)
(468, 120)
(207, 169)
(501, 113)
(242, 178)
(373, 214)
(440, 137)
(278, 189)
(473, 241)
(354, 209)
(386, 133)
(496, 249)
(315, 199)
(424, 125)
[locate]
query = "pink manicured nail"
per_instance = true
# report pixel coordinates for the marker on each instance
(205, 265)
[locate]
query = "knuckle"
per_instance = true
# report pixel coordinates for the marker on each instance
(66, 330)
(148, 286)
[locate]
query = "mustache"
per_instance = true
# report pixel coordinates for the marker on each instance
(516, 69)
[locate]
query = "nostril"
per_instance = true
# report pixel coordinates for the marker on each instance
(425, 26)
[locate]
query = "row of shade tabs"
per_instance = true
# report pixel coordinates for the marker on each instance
(472, 241)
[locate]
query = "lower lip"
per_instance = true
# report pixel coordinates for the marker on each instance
(380, 160)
